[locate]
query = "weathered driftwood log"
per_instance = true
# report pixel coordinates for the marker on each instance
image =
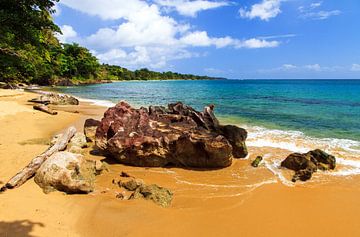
(29, 171)
(45, 109)
(39, 101)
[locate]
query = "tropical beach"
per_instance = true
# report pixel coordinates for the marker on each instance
(179, 118)
(232, 201)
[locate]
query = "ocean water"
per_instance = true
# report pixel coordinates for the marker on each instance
(295, 115)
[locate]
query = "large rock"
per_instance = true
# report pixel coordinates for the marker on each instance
(67, 172)
(306, 164)
(177, 135)
(56, 99)
(90, 127)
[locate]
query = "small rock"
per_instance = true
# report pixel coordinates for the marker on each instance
(101, 167)
(136, 194)
(120, 196)
(132, 184)
(159, 195)
(78, 140)
(257, 161)
(125, 175)
(306, 164)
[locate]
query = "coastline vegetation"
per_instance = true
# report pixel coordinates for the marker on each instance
(30, 52)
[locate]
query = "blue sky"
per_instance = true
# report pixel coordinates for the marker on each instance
(241, 39)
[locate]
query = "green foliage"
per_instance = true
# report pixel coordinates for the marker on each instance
(30, 53)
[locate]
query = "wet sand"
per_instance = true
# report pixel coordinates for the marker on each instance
(236, 201)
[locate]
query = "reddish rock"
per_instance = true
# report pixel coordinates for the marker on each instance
(177, 135)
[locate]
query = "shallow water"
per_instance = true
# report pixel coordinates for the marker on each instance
(281, 116)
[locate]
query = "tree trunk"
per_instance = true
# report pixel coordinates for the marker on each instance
(44, 109)
(29, 171)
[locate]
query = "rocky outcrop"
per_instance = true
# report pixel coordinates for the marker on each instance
(90, 127)
(55, 99)
(67, 172)
(306, 164)
(177, 135)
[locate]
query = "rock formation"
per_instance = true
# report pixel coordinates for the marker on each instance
(177, 135)
(306, 164)
(67, 172)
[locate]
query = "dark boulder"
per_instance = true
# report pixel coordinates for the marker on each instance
(236, 136)
(177, 135)
(306, 164)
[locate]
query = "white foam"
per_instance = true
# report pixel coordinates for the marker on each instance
(274, 168)
(282, 145)
(102, 103)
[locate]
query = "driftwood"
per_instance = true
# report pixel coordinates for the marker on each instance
(44, 109)
(39, 101)
(29, 171)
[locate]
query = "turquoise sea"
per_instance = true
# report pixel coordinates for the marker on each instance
(320, 108)
(290, 115)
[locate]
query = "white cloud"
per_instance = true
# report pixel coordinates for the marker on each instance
(146, 36)
(106, 10)
(315, 5)
(287, 67)
(198, 38)
(290, 68)
(355, 67)
(310, 12)
(257, 43)
(68, 34)
(265, 10)
(321, 15)
(191, 8)
(314, 67)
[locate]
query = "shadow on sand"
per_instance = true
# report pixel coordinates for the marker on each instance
(21, 228)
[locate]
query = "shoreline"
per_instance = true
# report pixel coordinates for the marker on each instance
(235, 194)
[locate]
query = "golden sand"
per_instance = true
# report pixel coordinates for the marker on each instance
(236, 201)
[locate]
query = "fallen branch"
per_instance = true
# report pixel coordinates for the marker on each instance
(39, 101)
(29, 171)
(44, 109)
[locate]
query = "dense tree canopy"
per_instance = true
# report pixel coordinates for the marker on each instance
(30, 52)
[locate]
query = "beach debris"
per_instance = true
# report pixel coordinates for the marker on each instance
(257, 161)
(76, 144)
(90, 127)
(120, 196)
(67, 172)
(306, 164)
(29, 171)
(45, 109)
(125, 175)
(159, 195)
(55, 99)
(177, 135)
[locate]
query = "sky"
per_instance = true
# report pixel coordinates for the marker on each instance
(239, 39)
